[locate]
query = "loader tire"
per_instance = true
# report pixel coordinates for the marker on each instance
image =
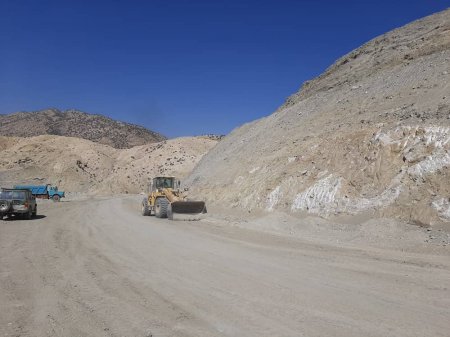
(145, 210)
(161, 207)
(169, 212)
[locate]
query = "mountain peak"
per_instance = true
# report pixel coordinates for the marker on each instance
(75, 123)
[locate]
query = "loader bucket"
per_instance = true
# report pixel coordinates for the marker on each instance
(186, 210)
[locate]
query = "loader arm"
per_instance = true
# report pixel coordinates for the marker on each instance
(170, 195)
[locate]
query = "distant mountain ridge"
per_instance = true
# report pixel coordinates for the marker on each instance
(74, 123)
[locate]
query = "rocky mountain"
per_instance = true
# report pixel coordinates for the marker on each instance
(370, 136)
(79, 165)
(73, 123)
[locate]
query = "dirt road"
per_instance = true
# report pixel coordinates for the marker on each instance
(98, 268)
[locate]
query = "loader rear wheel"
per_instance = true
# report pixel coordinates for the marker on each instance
(145, 210)
(161, 205)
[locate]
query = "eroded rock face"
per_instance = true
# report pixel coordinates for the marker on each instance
(369, 135)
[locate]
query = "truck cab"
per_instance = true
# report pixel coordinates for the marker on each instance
(54, 194)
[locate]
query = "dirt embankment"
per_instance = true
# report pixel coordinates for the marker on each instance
(369, 136)
(79, 165)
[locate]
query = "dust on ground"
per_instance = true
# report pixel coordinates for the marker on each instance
(96, 267)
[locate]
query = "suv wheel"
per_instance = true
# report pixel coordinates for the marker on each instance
(5, 206)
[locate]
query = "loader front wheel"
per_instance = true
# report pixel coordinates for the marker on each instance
(145, 210)
(161, 205)
(169, 212)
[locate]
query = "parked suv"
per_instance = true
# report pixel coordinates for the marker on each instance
(18, 202)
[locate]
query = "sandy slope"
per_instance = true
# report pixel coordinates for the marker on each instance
(78, 165)
(369, 136)
(98, 268)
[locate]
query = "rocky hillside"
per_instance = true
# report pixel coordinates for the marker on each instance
(78, 165)
(369, 136)
(73, 123)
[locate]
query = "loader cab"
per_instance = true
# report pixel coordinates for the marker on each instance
(159, 183)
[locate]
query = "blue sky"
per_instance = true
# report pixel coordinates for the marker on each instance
(180, 67)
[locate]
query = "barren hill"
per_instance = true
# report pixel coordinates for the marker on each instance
(78, 165)
(73, 123)
(369, 136)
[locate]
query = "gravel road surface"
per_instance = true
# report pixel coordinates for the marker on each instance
(98, 268)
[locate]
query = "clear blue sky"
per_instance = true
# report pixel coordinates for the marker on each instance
(180, 67)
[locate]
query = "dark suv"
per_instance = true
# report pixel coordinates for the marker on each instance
(18, 202)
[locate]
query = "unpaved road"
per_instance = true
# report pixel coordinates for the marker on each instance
(98, 268)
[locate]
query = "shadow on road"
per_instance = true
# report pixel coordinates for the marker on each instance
(39, 216)
(14, 218)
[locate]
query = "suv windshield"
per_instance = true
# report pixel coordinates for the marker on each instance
(9, 195)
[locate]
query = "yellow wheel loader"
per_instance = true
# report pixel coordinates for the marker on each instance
(166, 200)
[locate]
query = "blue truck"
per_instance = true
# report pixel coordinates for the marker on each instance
(43, 191)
